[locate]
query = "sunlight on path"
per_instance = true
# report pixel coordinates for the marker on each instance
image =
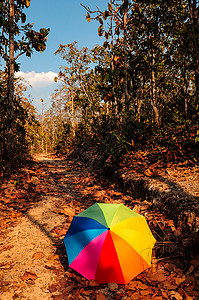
(30, 259)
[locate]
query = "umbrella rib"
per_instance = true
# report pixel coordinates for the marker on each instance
(140, 254)
(109, 258)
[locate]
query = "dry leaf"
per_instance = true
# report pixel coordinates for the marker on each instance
(179, 280)
(68, 289)
(149, 173)
(158, 276)
(21, 195)
(190, 270)
(164, 294)
(7, 265)
(175, 295)
(137, 208)
(190, 287)
(29, 275)
(93, 283)
(170, 286)
(59, 231)
(132, 285)
(136, 296)
(147, 297)
(146, 292)
(117, 194)
(195, 262)
(141, 286)
(88, 292)
(177, 232)
(52, 288)
(100, 296)
(35, 180)
(169, 266)
(68, 212)
(184, 294)
(58, 297)
(62, 231)
(38, 255)
(113, 286)
(63, 282)
(98, 194)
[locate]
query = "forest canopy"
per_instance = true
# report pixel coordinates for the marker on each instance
(139, 90)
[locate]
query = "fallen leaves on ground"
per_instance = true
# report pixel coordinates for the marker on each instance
(38, 255)
(28, 275)
(171, 276)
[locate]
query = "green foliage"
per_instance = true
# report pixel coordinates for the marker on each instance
(112, 138)
(14, 116)
(64, 139)
(21, 147)
(30, 39)
(175, 140)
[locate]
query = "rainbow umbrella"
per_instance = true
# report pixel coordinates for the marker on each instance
(109, 243)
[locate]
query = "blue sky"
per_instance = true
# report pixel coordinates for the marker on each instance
(67, 23)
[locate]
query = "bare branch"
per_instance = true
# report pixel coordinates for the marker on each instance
(21, 53)
(91, 11)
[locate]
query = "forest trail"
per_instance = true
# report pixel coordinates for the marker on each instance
(36, 209)
(28, 259)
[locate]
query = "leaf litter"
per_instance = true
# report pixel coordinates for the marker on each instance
(36, 208)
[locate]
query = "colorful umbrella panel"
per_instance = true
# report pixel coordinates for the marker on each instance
(109, 243)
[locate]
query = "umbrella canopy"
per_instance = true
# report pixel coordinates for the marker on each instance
(109, 243)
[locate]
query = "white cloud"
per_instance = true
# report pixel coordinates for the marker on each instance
(38, 80)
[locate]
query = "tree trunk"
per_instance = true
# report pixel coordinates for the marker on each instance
(185, 88)
(140, 101)
(42, 126)
(83, 83)
(107, 108)
(115, 105)
(153, 91)
(126, 94)
(197, 77)
(72, 112)
(53, 135)
(113, 89)
(194, 17)
(10, 105)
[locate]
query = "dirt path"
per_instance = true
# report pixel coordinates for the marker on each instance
(37, 207)
(29, 248)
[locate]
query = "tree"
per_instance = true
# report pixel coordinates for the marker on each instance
(11, 16)
(144, 83)
(118, 15)
(193, 38)
(77, 80)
